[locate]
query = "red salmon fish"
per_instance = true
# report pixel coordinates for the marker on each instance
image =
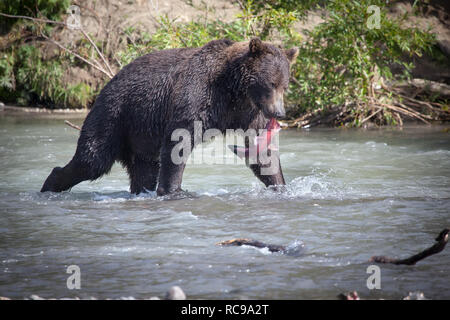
(261, 142)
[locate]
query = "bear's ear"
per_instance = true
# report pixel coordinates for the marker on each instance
(256, 46)
(291, 54)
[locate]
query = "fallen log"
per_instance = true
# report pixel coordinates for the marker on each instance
(252, 243)
(441, 239)
(432, 87)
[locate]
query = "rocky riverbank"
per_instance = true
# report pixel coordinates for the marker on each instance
(174, 293)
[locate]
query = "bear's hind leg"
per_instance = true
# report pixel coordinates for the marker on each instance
(143, 174)
(62, 179)
(85, 165)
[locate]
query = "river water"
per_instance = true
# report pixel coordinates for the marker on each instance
(351, 194)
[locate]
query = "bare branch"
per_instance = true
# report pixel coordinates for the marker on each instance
(441, 239)
(70, 124)
(109, 73)
(33, 19)
(76, 55)
(98, 51)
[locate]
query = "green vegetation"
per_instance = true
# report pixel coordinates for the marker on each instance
(340, 68)
(50, 9)
(29, 78)
(196, 33)
(343, 58)
(26, 76)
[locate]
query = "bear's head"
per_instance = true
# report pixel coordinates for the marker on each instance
(268, 76)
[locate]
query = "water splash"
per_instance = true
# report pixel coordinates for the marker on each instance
(296, 248)
(314, 186)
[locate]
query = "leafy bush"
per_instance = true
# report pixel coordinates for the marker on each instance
(51, 9)
(343, 57)
(172, 34)
(25, 77)
(255, 19)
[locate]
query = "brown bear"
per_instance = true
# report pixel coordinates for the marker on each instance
(224, 84)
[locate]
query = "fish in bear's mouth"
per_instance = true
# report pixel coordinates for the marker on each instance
(261, 142)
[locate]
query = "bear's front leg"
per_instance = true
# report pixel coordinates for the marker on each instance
(173, 162)
(270, 173)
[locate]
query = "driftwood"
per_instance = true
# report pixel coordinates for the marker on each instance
(252, 243)
(441, 239)
(400, 99)
(432, 87)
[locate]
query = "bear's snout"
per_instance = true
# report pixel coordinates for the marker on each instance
(279, 109)
(280, 114)
(276, 108)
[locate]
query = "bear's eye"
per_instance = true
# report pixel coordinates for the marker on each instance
(273, 85)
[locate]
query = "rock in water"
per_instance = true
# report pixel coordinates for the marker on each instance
(416, 295)
(175, 293)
